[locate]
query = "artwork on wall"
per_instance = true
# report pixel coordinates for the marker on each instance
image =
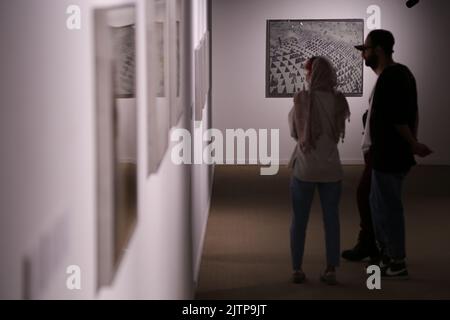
(116, 136)
(201, 66)
(158, 99)
(124, 57)
(178, 53)
(160, 45)
(177, 60)
(197, 76)
(290, 43)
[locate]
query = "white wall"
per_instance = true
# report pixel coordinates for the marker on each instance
(48, 167)
(201, 186)
(239, 55)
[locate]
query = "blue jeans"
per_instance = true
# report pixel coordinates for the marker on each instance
(387, 213)
(302, 195)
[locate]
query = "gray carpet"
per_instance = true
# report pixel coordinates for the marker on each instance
(246, 251)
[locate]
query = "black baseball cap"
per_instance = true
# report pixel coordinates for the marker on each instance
(360, 47)
(381, 38)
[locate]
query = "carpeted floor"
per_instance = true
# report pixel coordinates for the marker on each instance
(246, 251)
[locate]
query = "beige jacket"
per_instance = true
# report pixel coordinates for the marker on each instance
(323, 163)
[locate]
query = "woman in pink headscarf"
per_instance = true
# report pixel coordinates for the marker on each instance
(317, 123)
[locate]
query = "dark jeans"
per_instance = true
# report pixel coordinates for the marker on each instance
(387, 212)
(302, 196)
(366, 235)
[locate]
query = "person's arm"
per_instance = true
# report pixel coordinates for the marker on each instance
(416, 126)
(417, 148)
(400, 91)
(291, 122)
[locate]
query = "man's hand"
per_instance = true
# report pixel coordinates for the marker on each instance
(421, 149)
(417, 148)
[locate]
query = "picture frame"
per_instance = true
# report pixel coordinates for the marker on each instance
(158, 86)
(177, 62)
(207, 65)
(201, 66)
(116, 136)
(198, 84)
(125, 57)
(290, 43)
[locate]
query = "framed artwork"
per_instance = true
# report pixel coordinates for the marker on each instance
(207, 64)
(116, 135)
(124, 56)
(290, 43)
(198, 89)
(160, 52)
(203, 69)
(177, 59)
(201, 65)
(158, 97)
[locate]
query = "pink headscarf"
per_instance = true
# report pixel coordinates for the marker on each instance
(306, 119)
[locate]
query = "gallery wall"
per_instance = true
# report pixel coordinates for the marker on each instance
(48, 186)
(201, 182)
(239, 57)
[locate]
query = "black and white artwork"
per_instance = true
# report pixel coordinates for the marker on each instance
(160, 36)
(177, 61)
(202, 70)
(124, 58)
(178, 53)
(290, 43)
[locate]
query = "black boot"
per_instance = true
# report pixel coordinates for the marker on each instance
(365, 248)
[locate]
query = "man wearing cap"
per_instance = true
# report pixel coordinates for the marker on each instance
(391, 137)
